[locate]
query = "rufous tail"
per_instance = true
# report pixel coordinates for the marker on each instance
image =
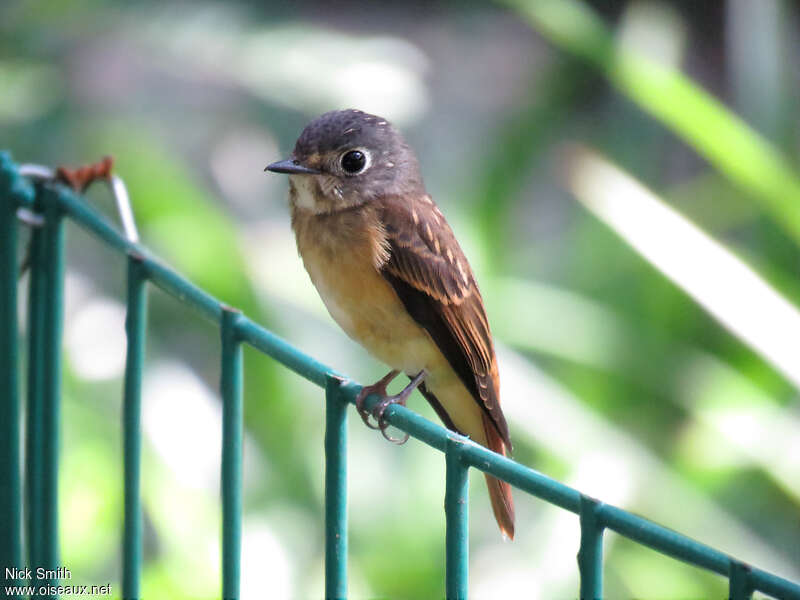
(499, 491)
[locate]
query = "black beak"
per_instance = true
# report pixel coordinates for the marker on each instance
(292, 167)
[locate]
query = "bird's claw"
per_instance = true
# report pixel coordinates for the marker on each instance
(379, 388)
(362, 411)
(378, 412)
(379, 409)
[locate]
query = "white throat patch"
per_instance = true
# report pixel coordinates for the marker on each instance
(304, 188)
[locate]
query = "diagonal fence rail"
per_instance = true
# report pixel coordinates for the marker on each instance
(52, 203)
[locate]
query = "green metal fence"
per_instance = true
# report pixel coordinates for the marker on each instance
(50, 204)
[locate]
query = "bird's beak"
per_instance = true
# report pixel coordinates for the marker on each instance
(292, 167)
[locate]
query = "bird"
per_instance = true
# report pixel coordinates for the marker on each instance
(393, 276)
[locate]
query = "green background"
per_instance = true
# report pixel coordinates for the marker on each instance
(635, 365)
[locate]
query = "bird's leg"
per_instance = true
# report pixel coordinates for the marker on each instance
(379, 388)
(380, 407)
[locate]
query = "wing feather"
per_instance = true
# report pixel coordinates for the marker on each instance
(430, 274)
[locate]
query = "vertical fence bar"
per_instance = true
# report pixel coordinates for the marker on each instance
(34, 433)
(335, 490)
(10, 495)
(135, 330)
(232, 414)
(44, 387)
(739, 582)
(51, 396)
(590, 555)
(456, 506)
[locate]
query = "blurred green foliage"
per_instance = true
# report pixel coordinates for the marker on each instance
(193, 100)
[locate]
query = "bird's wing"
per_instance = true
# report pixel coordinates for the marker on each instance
(431, 276)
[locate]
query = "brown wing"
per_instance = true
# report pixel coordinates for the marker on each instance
(433, 279)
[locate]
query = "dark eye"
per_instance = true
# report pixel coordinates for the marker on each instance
(353, 162)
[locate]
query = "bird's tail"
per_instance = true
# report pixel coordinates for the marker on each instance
(499, 491)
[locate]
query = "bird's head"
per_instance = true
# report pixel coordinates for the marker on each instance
(347, 158)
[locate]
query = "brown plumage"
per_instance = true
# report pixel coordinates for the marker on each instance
(433, 279)
(393, 276)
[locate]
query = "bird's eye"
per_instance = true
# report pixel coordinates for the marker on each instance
(354, 161)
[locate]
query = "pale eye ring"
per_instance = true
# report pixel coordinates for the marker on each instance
(354, 162)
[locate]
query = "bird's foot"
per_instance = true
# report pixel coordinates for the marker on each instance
(380, 408)
(379, 387)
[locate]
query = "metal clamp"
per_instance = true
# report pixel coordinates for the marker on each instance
(115, 183)
(124, 209)
(41, 173)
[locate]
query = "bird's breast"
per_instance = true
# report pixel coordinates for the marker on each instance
(341, 254)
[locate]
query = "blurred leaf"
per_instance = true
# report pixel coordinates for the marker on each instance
(704, 122)
(718, 280)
